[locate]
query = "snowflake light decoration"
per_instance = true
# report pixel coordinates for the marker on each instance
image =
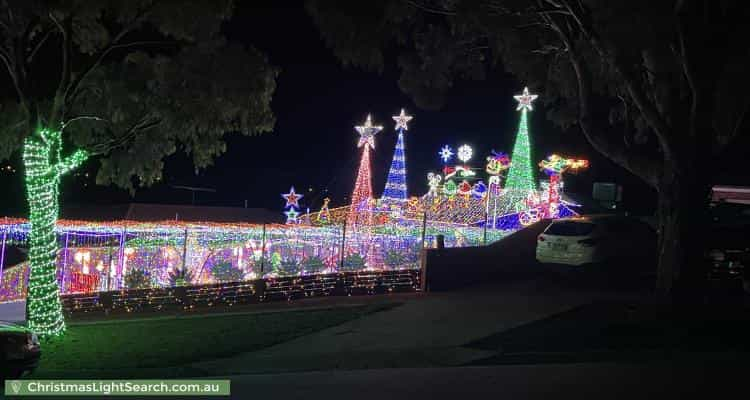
(465, 152)
(446, 153)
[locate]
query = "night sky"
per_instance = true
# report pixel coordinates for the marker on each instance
(317, 103)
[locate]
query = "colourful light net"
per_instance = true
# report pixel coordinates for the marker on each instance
(124, 254)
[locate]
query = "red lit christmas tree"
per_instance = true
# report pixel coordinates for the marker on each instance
(361, 196)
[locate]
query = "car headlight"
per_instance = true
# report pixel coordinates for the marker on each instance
(716, 255)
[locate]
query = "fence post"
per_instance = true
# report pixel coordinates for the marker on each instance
(424, 228)
(121, 257)
(108, 269)
(263, 250)
(484, 235)
(64, 263)
(423, 255)
(341, 251)
(184, 249)
(2, 255)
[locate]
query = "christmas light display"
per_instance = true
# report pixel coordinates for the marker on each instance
(291, 215)
(465, 153)
(446, 153)
(450, 188)
(292, 203)
(362, 194)
(402, 120)
(497, 163)
(324, 216)
(554, 166)
(520, 181)
(395, 186)
(361, 237)
(158, 250)
(479, 190)
(44, 168)
(433, 182)
(464, 188)
(292, 198)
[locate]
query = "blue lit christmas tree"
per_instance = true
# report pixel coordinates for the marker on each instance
(395, 186)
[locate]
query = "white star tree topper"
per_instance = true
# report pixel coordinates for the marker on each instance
(401, 120)
(525, 99)
(367, 133)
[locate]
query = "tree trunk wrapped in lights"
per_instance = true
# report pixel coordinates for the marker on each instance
(44, 167)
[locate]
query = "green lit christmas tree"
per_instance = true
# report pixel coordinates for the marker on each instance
(521, 180)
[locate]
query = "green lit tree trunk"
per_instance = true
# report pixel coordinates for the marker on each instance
(44, 167)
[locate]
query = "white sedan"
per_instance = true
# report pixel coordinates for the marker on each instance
(594, 239)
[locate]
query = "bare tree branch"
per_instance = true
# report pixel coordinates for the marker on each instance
(139, 127)
(38, 46)
(428, 9)
(83, 117)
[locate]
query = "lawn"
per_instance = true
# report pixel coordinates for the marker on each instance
(166, 347)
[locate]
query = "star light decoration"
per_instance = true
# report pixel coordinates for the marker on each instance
(465, 152)
(291, 216)
(367, 133)
(292, 198)
(525, 99)
(401, 120)
(446, 153)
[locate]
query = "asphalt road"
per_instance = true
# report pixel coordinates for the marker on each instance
(664, 380)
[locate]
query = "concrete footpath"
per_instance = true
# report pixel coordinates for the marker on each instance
(425, 331)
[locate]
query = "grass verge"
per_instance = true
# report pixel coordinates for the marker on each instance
(165, 347)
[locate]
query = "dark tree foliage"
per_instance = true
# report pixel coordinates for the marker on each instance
(130, 81)
(659, 87)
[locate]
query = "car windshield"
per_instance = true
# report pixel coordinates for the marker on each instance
(570, 228)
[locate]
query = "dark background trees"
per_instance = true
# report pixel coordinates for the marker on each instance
(130, 81)
(657, 87)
